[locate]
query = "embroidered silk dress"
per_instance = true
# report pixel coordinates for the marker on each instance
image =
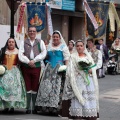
(12, 87)
(51, 86)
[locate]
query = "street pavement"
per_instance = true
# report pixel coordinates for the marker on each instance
(109, 103)
(110, 97)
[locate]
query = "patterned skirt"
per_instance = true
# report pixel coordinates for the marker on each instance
(12, 89)
(73, 109)
(50, 91)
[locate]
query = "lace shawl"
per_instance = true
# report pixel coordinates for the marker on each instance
(70, 88)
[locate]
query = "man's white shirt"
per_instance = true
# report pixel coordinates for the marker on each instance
(39, 57)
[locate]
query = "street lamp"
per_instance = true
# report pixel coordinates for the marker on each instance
(13, 5)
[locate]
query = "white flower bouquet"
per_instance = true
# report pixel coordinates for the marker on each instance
(62, 68)
(2, 70)
(117, 50)
(85, 65)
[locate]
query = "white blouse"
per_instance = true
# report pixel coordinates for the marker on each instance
(61, 47)
(39, 57)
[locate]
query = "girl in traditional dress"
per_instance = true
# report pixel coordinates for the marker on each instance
(50, 91)
(112, 66)
(81, 86)
(12, 87)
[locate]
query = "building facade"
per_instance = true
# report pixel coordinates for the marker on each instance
(70, 23)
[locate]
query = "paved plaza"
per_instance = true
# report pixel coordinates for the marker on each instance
(109, 103)
(110, 98)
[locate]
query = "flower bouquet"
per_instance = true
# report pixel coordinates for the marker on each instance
(62, 71)
(2, 70)
(117, 50)
(62, 68)
(85, 65)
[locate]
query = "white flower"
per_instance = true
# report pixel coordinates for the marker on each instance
(85, 60)
(62, 68)
(2, 69)
(118, 49)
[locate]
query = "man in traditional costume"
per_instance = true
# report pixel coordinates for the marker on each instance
(95, 54)
(32, 51)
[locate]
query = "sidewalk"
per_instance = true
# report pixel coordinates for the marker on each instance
(110, 97)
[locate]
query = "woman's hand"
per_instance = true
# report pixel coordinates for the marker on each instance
(66, 62)
(90, 71)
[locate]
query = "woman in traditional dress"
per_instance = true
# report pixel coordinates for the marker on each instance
(51, 87)
(81, 86)
(116, 44)
(71, 46)
(12, 87)
(116, 50)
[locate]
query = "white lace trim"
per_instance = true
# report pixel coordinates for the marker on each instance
(83, 112)
(52, 48)
(12, 52)
(77, 92)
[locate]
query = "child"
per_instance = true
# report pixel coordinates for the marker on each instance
(112, 66)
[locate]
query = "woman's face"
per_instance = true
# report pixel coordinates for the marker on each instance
(56, 39)
(117, 41)
(70, 46)
(11, 44)
(80, 47)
